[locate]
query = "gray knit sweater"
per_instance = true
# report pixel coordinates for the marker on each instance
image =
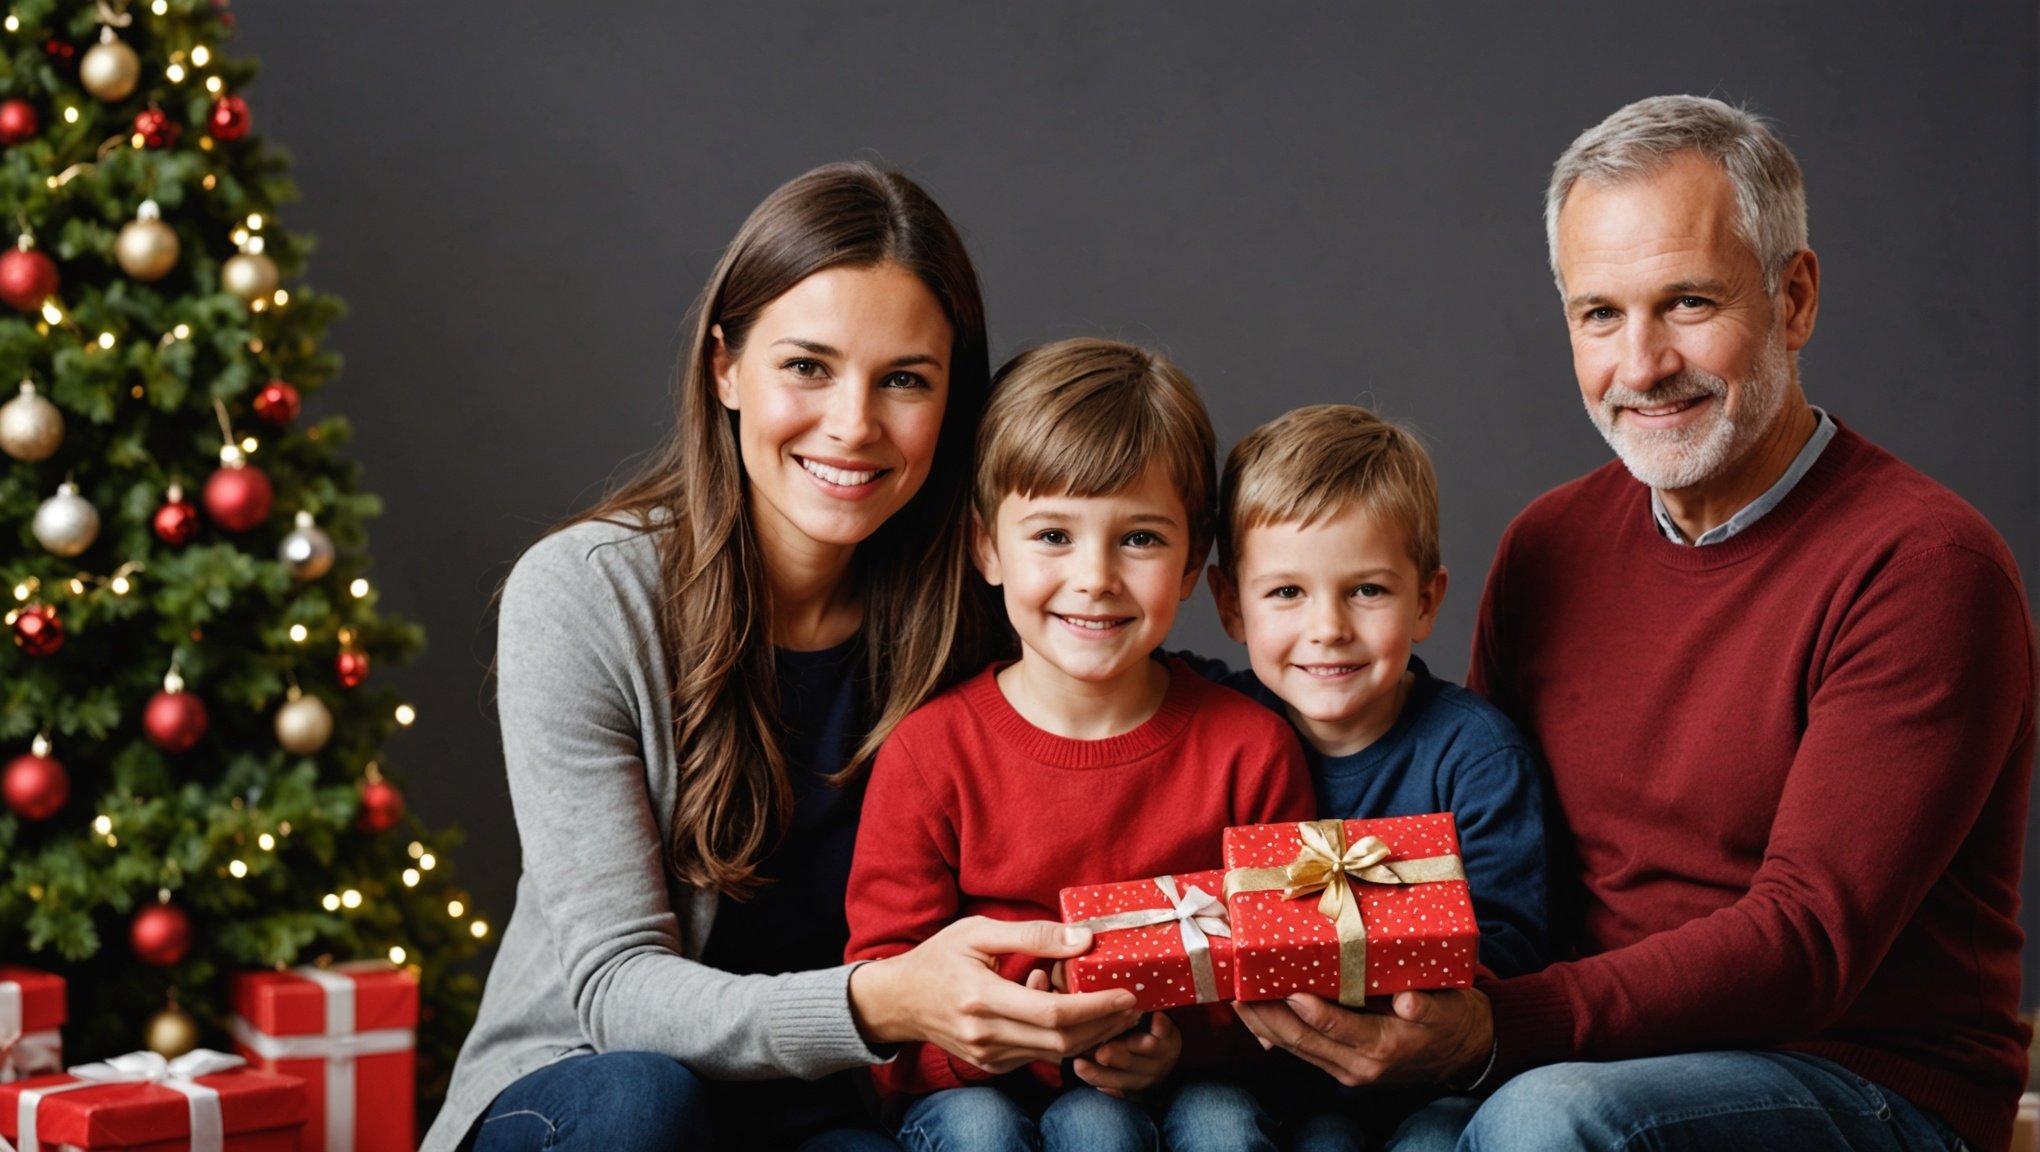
(600, 953)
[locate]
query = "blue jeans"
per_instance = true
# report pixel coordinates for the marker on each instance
(1700, 1101)
(982, 1118)
(642, 1100)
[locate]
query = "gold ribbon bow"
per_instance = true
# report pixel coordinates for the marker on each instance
(1198, 915)
(1329, 866)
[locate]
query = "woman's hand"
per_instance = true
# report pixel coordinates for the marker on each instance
(948, 992)
(1133, 1063)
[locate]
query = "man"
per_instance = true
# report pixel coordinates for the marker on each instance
(1785, 687)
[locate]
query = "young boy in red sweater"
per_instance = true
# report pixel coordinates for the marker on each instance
(1087, 760)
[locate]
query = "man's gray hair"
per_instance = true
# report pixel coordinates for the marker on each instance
(1638, 141)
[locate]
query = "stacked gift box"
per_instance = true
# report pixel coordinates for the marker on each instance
(1345, 909)
(204, 1101)
(31, 1017)
(349, 1032)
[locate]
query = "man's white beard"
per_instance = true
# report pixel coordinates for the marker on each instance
(1669, 459)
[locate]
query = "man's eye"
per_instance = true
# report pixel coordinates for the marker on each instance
(1600, 315)
(1692, 302)
(1370, 591)
(1052, 536)
(1286, 592)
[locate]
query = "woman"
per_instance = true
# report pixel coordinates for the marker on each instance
(693, 677)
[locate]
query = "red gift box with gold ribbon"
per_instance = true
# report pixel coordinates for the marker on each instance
(1349, 909)
(1166, 940)
(203, 1101)
(31, 1019)
(350, 1032)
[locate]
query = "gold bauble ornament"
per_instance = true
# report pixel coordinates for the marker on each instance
(249, 275)
(67, 523)
(171, 1033)
(147, 248)
(110, 69)
(304, 724)
(307, 551)
(31, 428)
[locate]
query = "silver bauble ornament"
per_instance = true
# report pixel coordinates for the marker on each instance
(249, 275)
(67, 523)
(31, 428)
(303, 725)
(110, 69)
(307, 551)
(147, 248)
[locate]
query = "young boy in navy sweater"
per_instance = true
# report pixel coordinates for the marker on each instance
(1329, 572)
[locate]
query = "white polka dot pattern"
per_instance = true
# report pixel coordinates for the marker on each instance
(1150, 961)
(1418, 935)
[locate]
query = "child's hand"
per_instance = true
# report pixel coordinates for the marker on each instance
(1133, 1062)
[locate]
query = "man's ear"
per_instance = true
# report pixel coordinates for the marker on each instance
(1228, 596)
(984, 552)
(1429, 598)
(1800, 287)
(723, 365)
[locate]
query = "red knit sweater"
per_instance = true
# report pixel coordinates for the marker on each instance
(1795, 768)
(972, 811)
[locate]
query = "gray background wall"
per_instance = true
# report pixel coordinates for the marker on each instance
(1298, 203)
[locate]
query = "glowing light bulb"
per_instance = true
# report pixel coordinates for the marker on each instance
(359, 588)
(52, 313)
(120, 586)
(416, 849)
(238, 869)
(13, 23)
(249, 444)
(411, 877)
(103, 825)
(478, 929)
(397, 955)
(266, 842)
(282, 297)
(255, 221)
(331, 903)
(160, 7)
(175, 72)
(200, 55)
(406, 715)
(213, 84)
(106, 339)
(298, 633)
(456, 909)
(428, 861)
(351, 898)
(182, 331)
(70, 115)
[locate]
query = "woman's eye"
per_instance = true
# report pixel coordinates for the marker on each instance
(804, 368)
(1052, 536)
(1144, 540)
(904, 380)
(1287, 592)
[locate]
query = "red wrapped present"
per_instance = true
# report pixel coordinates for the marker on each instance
(350, 1032)
(1166, 940)
(1349, 909)
(31, 1013)
(203, 1101)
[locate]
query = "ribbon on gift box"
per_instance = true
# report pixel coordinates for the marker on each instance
(24, 1053)
(339, 1047)
(1197, 913)
(1327, 865)
(208, 1128)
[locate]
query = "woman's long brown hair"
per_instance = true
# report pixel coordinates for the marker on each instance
(924, 614)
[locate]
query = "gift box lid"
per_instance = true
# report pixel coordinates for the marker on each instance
(288, 1003)
(1407, 838)
(126, 1113)
(42, 999)
(1087, 901)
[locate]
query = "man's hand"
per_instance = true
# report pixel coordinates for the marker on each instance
(1427, 1037)
(1134, 1062)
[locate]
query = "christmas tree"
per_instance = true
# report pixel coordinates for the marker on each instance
(195, 776)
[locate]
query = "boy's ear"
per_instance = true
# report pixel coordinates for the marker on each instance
(984, 552)
(1228, 596)
(1428, 600)
(722, 364)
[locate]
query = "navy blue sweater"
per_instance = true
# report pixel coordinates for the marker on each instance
(1449, 751)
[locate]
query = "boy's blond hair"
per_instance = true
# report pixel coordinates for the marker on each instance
(1314, 462)
(1088, 417)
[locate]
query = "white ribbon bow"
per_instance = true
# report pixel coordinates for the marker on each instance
(208, 1129)
(1198, 914)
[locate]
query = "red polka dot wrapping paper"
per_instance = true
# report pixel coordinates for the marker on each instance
(1150, 961)
(1418, 935)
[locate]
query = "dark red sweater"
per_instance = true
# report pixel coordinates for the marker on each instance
(1794, 765)
(972, 811)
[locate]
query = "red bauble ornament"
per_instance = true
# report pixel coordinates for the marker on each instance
(277, 404)
(36, 786)
(176, 522)
(18, 122)
(229, 120)
(174, 721)
(351, 667)
(27, 278)
(238, 498)
(156, 128)
(381, 807)
(37, 631)
(161, 935)
(61, 51)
